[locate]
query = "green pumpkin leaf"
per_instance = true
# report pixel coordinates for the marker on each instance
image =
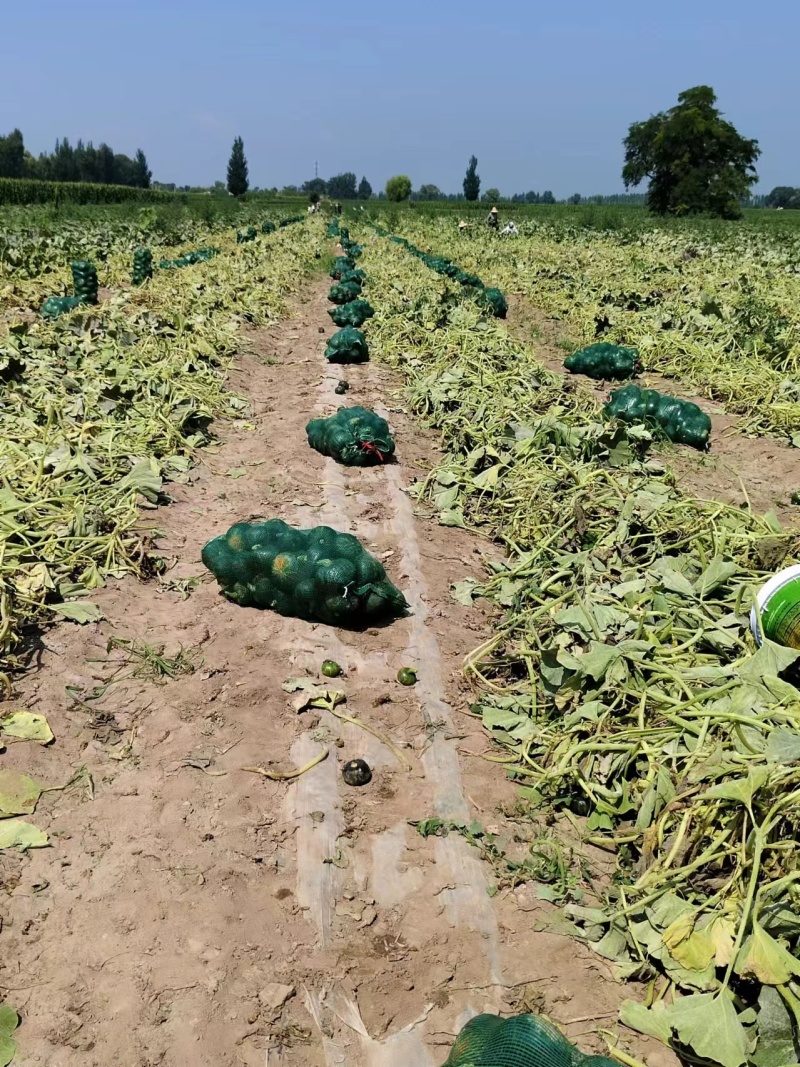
(16, 833)
(708, 1024)
(766, 959)
(27, 725)
(9, 1020)
(81, 613)
(19, 794)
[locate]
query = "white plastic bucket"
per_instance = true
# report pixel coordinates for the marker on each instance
(778, 606)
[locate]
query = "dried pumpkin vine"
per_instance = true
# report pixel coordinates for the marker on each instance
(101, 408)
(621, 679)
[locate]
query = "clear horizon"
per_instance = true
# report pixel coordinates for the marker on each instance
(542, 98)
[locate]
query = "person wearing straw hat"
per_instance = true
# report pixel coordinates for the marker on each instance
(492, 220)
(462, 226)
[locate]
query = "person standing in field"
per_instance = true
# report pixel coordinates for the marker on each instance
(462, 227)
(492, 220)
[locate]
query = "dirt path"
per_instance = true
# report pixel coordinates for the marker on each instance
(763, 470)
(193, 913)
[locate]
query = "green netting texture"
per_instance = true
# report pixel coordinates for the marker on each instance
(604, 362)
(268, 227)
(345, 235)
(292, 219)
(353, 313)
(521, 1041)
(343, 292)
(142, 266)
(57, 305)
(464, 278)
(243, 236)
(318, 574)
(493, 298)
(84, 281)
(354, 275)
(348, 345)
(679, 420)
(356, 437)
(199, 255)
(340, 265)
(496, 302)
(333, 228)
(353, 250)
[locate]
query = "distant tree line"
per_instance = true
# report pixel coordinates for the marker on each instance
(340, 187)
(78, 163)
(783, 196)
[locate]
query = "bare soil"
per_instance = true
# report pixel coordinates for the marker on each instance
(191, 913)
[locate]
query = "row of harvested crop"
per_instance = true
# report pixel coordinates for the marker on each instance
(84, 274)
(85, 284)
(250, 233)
(348, 345)
(490, 297)
(319, 574)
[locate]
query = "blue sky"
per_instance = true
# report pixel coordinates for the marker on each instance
(541, 93)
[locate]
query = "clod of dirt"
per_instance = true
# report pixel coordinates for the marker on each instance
(342, 387)
(273, 996)
(356, 772)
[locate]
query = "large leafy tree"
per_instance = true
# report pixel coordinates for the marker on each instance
(342, 186)
(696, 161)
(364, 189)
(237, 170)
(429, 192)
(315, 187)
(472, 183)
(398, 188)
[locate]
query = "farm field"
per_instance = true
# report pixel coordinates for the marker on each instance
(587, 804)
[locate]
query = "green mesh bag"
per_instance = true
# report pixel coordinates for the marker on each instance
(340, 265)
(353, 250)
(188, 259)
(268, 227)
(521, 1041)
(333, 228)
(355, 275)
(142, 266)
(353, 313)
(317, 574)
(343, 292)
(438, 264)
(291, 220)
(347, 346)
(345, 235)
(680, 421)
(495, 301)
(58, 305)
(605, 362)
(84, 281)
(243, 236)
(356, 437)
(464, 278)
